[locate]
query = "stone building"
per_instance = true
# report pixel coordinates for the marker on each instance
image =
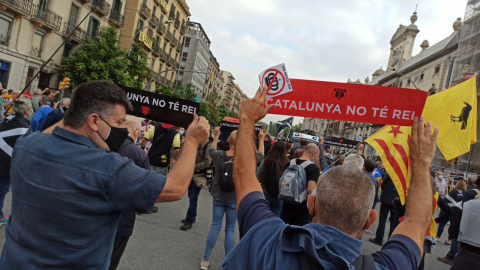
(213, 80)
(31, 30)
(159, 25)
(231, 95)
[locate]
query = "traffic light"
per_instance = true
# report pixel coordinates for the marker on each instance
(450, 162)
(456, 160)
(64, 84)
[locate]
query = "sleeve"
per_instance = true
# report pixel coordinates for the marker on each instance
(259, 171)
(134, 188)
(214, 153)
(150, 133)
(35, 120)
(252, 209)
(176, 141)
(259, 157)
(314, 173)
(207, 160)
(400, 252)
(322, 158)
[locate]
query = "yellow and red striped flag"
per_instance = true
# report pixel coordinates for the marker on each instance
(392, 145)
(433, 225)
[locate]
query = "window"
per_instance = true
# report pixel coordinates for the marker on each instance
(187, 42)
(408, 82)
(139, 25)
(37, 44)
(421, 77)
(152, 64)
(5, 23)
(67, 49)
(72, 19)
(437, 70)
(160, 67)
(154, 10)
(4, 71)
(93, 26)
(164, 46)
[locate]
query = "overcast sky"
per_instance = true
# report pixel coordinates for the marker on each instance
(317, 40)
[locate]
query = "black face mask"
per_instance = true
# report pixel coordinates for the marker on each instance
(115, 137)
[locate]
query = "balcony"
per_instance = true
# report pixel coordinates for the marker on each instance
(154, 21)
(182, 30)
(177, 23)
(79, 34)
(85, 1)
(168, 36)
(179, 45)
(103, 7)
(163, 5)
(156, 50)
(169, 61)
(145, 11)
(161, 29)
(35, 51)
(164, 57)
(23, 7)
(174, 41)
(46, 18)
(116, 18)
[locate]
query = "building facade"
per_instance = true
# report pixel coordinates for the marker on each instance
(159, 26)
(31, 30)
(213, 81)
(195, 58)
(430, 71)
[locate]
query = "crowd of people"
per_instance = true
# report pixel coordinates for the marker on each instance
(297, 207)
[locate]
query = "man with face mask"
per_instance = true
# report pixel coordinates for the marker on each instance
(66, 217)
(10, 131)
(56, 115)
(441, 184)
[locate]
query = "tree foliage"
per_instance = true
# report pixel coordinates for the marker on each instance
(103, 59)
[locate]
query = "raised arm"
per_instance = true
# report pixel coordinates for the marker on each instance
(181, 175)
(261, 142)
(251, 111)
(215, 139)
(419, 203)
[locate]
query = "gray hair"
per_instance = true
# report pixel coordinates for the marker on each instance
(21, 106)
(354, 160)
(345, 197)
(37, 92)
(45, 100)
(471, 181)
(64, 101)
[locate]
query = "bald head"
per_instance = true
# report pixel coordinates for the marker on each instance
(310, 152)
(341, 206)
(134, 125)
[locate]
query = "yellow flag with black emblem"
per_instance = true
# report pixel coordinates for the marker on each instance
(454, 111)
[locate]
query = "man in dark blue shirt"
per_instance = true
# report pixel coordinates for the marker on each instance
(70, 187)
(340, 213)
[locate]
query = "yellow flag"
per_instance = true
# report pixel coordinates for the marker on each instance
(392, 145)
(454, 111)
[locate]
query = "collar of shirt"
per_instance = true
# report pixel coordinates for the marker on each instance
(80, 139)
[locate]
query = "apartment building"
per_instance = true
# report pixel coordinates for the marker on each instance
(159, 25)
(31, 30)
(195, 58)
(214, 80)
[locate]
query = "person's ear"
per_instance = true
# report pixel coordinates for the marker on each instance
(372, 216)
(93, 122)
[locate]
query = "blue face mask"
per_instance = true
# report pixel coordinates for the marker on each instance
(182, 133)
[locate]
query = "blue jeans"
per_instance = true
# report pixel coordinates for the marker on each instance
(193, 192)
(275, 204)
(4, 188)
(453, 250)
(220, 208)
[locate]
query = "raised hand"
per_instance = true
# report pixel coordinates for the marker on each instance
(253, 110)
(198, 130)
(422, 144)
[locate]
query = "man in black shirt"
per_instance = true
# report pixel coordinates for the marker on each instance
(297, 214)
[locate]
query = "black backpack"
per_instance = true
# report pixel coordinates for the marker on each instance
(226, 178)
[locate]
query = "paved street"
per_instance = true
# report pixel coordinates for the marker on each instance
(158, 243)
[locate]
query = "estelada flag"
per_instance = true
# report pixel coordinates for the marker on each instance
(432, 230)
(392, 145)
(454, 111)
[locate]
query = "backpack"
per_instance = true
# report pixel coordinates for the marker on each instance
(226, 178)
(293, 183)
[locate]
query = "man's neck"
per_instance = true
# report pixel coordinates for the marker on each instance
(81, 131)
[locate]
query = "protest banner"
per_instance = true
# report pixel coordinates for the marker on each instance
(350, 102)
(231, 119)
(231, 126)
(161, 108)
(277, 81)
(341, 142)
